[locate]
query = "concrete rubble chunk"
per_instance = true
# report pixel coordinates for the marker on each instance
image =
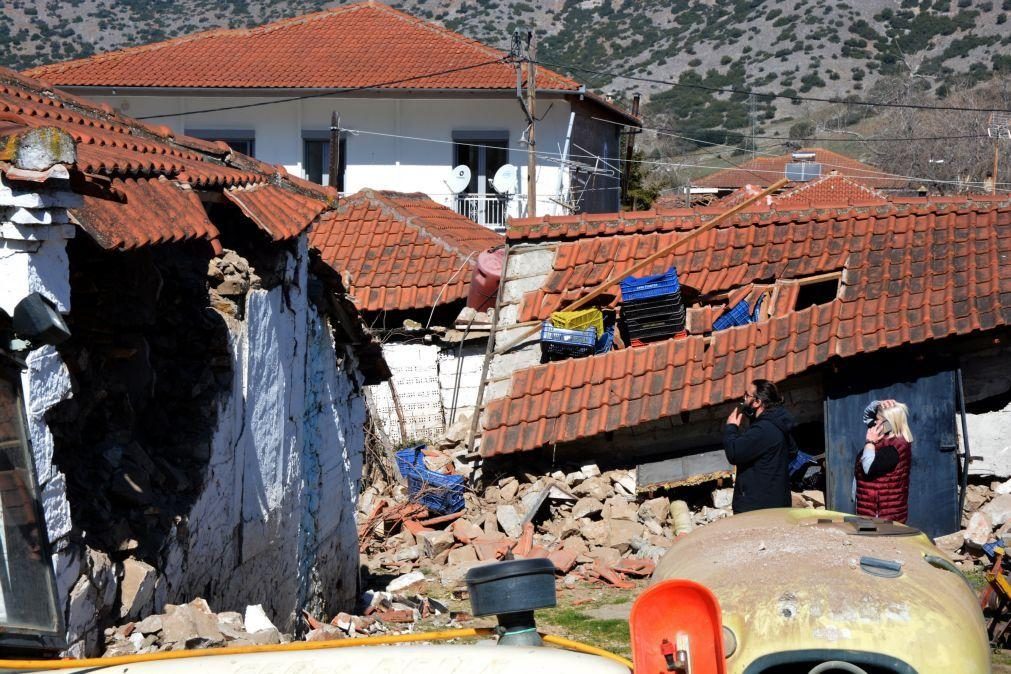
(722, 498)
(951, 543)
(655, 508)
(586, 506)
(624, 481)
(815, 496)
(509, 520)
(434, 542)
(590, 470)
(618, 508)
(231, 619)
(621, 532)
(256, 620)
(465, 553)
(149, 625)
(413, 581)
(137, 588)
(594, 487)
(979, 530)
(999, 509)
(595, 532)
(508, 490)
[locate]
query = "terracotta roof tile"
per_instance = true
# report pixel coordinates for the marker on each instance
(151, 173)
(280, 212)
(404, 251)
(356, 45)
(763, 171)
(885, 301)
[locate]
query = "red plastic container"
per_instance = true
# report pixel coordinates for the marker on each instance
(484, 284)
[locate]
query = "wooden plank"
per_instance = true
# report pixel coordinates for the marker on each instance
(683, 470)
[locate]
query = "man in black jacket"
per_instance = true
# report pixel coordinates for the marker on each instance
(761, 453)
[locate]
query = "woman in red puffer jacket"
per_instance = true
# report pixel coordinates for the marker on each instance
(882, 468)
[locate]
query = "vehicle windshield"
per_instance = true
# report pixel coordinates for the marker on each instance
(27, 593)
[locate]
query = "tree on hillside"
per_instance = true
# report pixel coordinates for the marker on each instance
(951, 161)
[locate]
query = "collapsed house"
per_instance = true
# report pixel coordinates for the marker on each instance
(859, 301)
(201, 432)
(411, 265)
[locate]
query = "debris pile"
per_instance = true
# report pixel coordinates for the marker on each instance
(986, 517)
(195, 625)
(190, 626)
(593, 525)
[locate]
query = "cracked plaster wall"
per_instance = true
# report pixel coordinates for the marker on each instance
(274, 523)
(284, 468)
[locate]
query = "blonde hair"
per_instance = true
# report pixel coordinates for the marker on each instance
(898, 416)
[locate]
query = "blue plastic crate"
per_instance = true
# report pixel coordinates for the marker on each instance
(606, 340)
(647, 287)
(739, 315)
(563, 341)
(801, 461)
(442, 494)
(990, 549)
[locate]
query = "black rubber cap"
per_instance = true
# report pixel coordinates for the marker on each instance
(515, 567)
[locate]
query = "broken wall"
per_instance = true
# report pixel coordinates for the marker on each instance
(255, 502)
(432, 386)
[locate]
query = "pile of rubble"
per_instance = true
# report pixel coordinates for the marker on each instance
(192, 625)
(195, 625)
(591, 524)
(986, 517)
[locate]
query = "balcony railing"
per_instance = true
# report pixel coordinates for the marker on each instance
(487, 210)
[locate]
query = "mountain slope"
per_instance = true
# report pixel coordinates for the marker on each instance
(821, 48)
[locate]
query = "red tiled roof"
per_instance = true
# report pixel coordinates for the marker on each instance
(139, 159)
(279, 212)
(829, 190)
(182, 216)
(911, 273)
(404, 251)
(763, 171)
(356, 45)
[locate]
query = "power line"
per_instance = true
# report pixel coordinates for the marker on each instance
(864, 175)
(748, 92)
(329, 92)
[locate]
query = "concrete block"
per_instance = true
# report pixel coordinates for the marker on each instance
(516, 289)
(525, 263)
(504, 365)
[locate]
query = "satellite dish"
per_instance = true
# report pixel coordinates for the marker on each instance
(459, 179)
(505, 179)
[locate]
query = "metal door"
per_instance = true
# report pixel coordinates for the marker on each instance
(933, 488)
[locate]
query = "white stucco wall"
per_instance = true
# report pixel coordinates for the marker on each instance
(401, 160)
(284, 468)
(274, 524)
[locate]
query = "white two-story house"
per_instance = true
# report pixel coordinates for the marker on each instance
(415, 100)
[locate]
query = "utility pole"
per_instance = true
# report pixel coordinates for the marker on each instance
(751, 105)
(532, 116)
(335, 149)
(630, 135)
(999, 126)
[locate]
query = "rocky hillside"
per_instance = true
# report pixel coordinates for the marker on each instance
(822, 48)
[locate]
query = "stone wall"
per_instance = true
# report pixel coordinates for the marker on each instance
(211, 450)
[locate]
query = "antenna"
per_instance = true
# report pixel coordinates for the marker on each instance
(505, 180)
(458, 179)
